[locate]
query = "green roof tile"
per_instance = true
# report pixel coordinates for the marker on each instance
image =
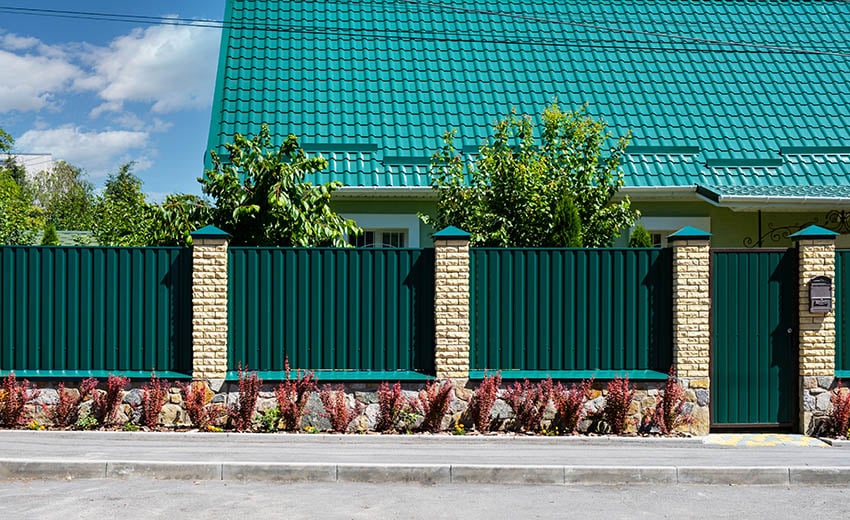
(397, 75)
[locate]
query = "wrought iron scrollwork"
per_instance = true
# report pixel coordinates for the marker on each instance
(837, 220)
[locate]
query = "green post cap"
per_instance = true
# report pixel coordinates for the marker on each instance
(813, 232)
(689, 233)
(209, 232)
(451, 233)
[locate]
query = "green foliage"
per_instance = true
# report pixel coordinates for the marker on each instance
(508, 197)
(19, 217)
(269, 420)
(261, 197)
(65, 196)
(49, 238)
(567, 223)
(175, 219)
(122, 217)
(640, 237)
(6, 142)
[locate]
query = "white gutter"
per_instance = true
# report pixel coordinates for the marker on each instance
(658, 192)
(381, 192)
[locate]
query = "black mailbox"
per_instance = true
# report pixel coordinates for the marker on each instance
(820, 294)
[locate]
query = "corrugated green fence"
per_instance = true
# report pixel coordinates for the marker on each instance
(842, 304)
(571, 309)
(331, 309)
(93, 309)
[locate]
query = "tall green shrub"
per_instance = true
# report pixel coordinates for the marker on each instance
(640, 237)
(50, 238)
(567, 223)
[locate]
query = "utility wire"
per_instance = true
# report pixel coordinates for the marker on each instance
(460, 36)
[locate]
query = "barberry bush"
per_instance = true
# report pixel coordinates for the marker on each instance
(14, 397)
(292, 397)
(154, 396)
(196, 397)
(105, 405)
(242, 412)
(64, 413)
(434, 402)
(670, 408)
(336, 406)
(483, 399)
(528, 402)
(570, 404)
(838, 417)
(617, 403)
(391, 405)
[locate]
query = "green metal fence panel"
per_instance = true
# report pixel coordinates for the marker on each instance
(85, 309)
(842, 303)
(571, 309)
(331, 309)
(754, 379)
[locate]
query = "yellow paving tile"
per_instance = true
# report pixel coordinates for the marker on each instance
(762, 440)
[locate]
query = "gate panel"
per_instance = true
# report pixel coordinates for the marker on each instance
(754, 353)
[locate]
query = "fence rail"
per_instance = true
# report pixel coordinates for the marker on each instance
(81, 310)
(331, 309)
(571, 309)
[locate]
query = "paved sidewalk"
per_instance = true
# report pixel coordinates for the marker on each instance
(424, 459)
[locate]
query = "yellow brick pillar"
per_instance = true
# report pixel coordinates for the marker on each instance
(209, 304)
(451, 304)
(691, 319)
(816, 331)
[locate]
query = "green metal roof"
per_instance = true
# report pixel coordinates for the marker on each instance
(715, 92)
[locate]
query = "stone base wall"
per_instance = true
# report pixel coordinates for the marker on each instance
(365, 397)
(816, 395)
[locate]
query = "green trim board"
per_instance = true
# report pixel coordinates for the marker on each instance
(843, 374)
(634, 375)
(84, 374)
(339, 375)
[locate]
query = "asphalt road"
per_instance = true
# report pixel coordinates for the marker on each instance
(67, 500)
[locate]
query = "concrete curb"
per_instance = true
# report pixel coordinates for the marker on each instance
(424, 473)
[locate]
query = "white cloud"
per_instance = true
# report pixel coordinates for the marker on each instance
(33, 82)
(97, 152)
(172, 67)
(109, 106)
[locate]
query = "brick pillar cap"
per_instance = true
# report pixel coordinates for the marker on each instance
(451, 233)
(814, 232)
(210, 232)
(689, 233)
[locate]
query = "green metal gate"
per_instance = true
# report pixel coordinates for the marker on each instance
(754, 347)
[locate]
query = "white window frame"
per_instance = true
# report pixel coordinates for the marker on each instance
(669, 225)
(380, 222)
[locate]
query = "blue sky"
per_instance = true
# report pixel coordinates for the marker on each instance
(99, 93)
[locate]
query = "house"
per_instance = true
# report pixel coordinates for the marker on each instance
(740, 111)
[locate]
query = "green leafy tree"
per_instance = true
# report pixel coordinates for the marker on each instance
(122, 216)
(173, 221)
(261, 197)
(65, 196)
(567, 223)
(509, 195)
(16, 171)
(49, 237)
(19, 217)
(640, 237)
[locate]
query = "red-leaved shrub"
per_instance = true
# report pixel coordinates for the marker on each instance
(529, 402)
(292, 396)
(670, 409)
(434, 401)
(196, 395)
(105, 405)
(64, 412)
(483, 399)
(154, 395)
(14, 397)
(87, 388)
(617, 404)
(391, 404)
(838, 418)
(337, 410)
(569, 404)
(242, 412)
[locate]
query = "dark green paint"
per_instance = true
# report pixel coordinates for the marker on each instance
(842, 303)
(753, 380)
(331, 309)
(80, 309)
(571, 309)
(341, 375)
(599, 375)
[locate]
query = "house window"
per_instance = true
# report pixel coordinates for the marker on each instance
(380, 238)
(659, 228)
(385, 230)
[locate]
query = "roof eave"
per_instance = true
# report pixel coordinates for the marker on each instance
(386, 192)
(778, 203)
